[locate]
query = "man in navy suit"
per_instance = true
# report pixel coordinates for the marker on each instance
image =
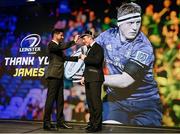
(93, 78)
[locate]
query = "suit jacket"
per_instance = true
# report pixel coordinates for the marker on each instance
(94, 64)
(56, 59)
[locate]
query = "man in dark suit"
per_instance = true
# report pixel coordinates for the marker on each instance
(93, 79)
(54, 76)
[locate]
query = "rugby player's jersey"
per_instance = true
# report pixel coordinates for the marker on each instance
(118, 53)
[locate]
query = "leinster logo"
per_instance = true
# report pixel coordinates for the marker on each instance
(141, 57)
(30, 44)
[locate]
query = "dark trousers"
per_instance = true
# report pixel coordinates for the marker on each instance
(93, 97)
(54, 94)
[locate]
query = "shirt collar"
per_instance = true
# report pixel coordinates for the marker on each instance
(92, 44)
(55, 42)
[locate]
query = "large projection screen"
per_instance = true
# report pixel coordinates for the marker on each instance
(25, 30)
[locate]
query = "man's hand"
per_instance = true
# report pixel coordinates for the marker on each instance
(82, 56)
(76, 38)
(82, 81)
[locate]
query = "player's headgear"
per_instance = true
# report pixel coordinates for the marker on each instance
(127, 12)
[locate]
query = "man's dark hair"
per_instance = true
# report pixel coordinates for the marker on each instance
(56, 31)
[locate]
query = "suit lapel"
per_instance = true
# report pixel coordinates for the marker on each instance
(91, 48)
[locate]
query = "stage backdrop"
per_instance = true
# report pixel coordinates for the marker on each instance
(25, 31)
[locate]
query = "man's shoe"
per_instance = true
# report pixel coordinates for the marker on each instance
(87, 127)
(92, 129)
(53, 126)
(46, 126)
(63, 125)
(49, 126)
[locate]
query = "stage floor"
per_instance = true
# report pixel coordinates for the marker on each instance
(13, 126)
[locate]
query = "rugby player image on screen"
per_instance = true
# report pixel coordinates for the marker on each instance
(132, 96)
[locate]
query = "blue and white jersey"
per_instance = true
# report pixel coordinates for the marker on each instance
(118, 53)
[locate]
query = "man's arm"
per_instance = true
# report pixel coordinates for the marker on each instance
(133, 71)
(53, 47)
(62, 46)
(69, 44)
(95, 59)
(118, 80)
(71, 58)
